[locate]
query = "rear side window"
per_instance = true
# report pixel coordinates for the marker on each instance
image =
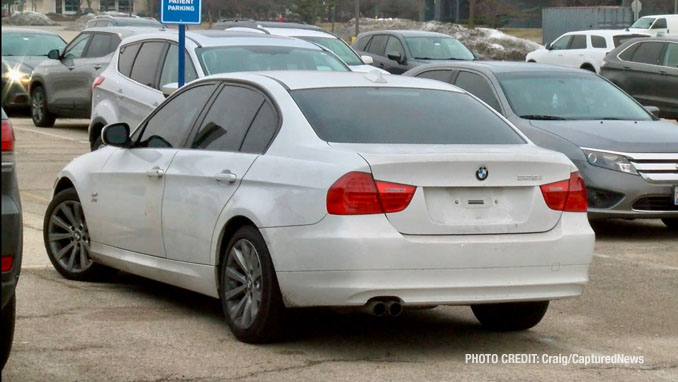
(479, 87)
(671, 55)
(378, 45)
(386, 115)
(145, 66)
(598, 42)
(440, 75)
(648, 53)
(262, 131)
(362, 43)
(102, 44)
(578, 42)
(127, 55)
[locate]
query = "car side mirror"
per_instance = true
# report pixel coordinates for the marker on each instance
(116, 134)
(548, 46)
(169, 89)
(654, 110)
(53, 54)
(367, 60)
(395, 56)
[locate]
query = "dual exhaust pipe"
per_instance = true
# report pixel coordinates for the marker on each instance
(381, 308)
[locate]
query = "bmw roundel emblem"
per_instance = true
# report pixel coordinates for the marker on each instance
(482, 173)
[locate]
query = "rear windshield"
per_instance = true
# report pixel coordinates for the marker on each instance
(620, 39)
(401, 116)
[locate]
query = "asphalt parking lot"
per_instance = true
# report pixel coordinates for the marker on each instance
(132, 329)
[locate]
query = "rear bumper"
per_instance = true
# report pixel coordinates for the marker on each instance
(345, 261)
(12, 233)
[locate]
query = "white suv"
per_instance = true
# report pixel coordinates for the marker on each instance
(583, 49)
(144, 70)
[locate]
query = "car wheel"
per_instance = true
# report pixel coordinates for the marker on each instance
(250, 295)
(66, 238)
(39, 113)
(7, 329)
(672, 223)
(510, 316)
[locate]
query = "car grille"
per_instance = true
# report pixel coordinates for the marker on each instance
(655, 203)
(656, 168)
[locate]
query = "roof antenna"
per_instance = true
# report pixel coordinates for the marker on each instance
(376, 76)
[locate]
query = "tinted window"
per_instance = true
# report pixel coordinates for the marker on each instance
(598, 42)
(438, 48)
(377, 45)
(170, 125)
(262, 130)
(440, 75)
(394, 46)
(101, 44)
(228, 120)
(362, 42)
(127, 55)
(561, 43)
(145, 66)
(77, 46)
(479, 87)
(618, 40)
(170, 69)
(578, 42)
(660, 24)
(30, 44)
(671, 55)
(648, 53)
(401, 116)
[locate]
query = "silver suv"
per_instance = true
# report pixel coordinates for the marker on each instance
(145, 69)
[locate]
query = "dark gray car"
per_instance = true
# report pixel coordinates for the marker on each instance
(628, 158)
(398, 51)
(647, 69)
(12, 234)
(62, 85)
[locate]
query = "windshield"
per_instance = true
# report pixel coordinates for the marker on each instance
(30, 44)
(338, 47)
(643, 23)
(569, 95)
(438, 48)
(401, 116)
(254, 58)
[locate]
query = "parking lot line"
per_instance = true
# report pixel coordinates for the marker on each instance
(36, 197)
(640, 262)
(49, 134)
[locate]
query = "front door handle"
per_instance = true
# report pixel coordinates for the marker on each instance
(155, 172)
(71, 67)
(226, 176)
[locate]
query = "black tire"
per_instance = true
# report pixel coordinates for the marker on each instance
(267, 322)
(672, 223)
(7, 330)
(73, 239)
(510, 316)
(39, 112)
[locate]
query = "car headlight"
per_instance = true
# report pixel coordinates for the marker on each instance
(609, 161)
(14, 75)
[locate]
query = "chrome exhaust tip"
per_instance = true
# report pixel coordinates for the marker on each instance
(394, 308)
(376, 308)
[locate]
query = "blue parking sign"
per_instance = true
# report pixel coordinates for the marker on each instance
(181, 11)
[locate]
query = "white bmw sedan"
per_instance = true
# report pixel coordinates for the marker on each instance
(276, 190)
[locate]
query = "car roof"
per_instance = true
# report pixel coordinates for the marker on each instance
(122, 31)
(293, 32)
(406, 33)
(666, 15)
(603, 32)
(500, 67)
(266, 24)
(26, 30)
(208, 38)
(294, 80)
(649, 38)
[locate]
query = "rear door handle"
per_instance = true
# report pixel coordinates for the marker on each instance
(71, 67)
(155, 172)
(226, 176)
(97, 66)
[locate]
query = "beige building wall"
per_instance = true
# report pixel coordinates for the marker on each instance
(69, 7)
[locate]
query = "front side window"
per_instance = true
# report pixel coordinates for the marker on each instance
(648, 53)
(102, 44)
(378, 45)
(170, 69)
(170, 125)
(30, 44)
(338, 47)
(578, 42)
(660, 24)
(561, 43)
(146, 64)
(438, 48)
(387, 115)
(570, 96)
(598, 42)
(77, 46)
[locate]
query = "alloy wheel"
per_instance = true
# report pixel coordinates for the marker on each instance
(38, 104)
(243, 284)
(68, 237)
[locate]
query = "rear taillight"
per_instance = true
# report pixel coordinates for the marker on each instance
(7, 136)
(7, 262)
(97, 81)
(357, 193)
(567, 195)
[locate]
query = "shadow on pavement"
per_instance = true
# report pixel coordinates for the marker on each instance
(632, 230)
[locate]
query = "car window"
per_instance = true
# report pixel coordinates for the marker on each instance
(648, 53)
(378, 44)
(338, 47)
(261, 132)
(127, 55)
(479, 87)
(228, 119)
(30, 44)
(659, 24)
(440, 75)
(561, 43)
(643, 23)
(598, 42)
(671, 55)
(362, 43)
(77, 46)
(145, 66)
(170, 125)
(578, 41)
(170, 69)
(394, 46)
(620, 39)
(102, 44)
(438, 48)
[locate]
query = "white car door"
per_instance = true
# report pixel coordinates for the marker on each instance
(132, 182)
(202, 178)
(575, 54)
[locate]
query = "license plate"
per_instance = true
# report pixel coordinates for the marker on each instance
(675, 195)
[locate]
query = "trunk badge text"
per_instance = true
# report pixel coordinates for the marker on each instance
(482, 173)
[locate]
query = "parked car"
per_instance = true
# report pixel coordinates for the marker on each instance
(103, 21)
(401, 50)
(144, 70)
(22, 50)
(12, 233)
(62, 85)
(647, 69)
(309, 33)
(582, 49)
(269, 191)
(627, 156)
(656, 25)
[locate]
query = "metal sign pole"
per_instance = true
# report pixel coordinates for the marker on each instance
(182, 63)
